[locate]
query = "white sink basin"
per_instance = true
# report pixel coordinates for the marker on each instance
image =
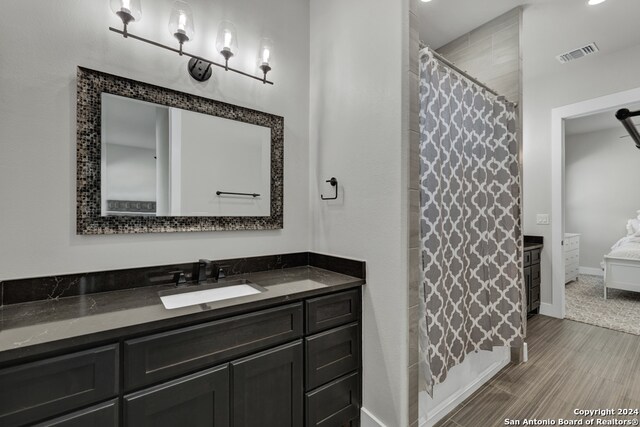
(197, 295)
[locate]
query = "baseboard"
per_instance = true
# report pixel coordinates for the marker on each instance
(367, 419)
(591, 271)
(442, 410)
(550, 310)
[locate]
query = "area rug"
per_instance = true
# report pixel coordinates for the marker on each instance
(585, 303)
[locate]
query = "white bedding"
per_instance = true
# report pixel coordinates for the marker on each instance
(627, 247)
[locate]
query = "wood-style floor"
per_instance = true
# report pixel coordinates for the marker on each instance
(571, 365)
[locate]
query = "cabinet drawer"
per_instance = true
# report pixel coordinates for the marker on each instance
(571, 256)
(571, 243)
(332, 354)
(169, 354)
(535, 273)
(527, 259)
(333, 310)
(103, 415)
(46, 388)
(201, 399)
(535, 296)
(535, 256)
(335, 404)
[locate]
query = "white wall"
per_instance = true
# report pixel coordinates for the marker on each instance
(601, 190)
(131, 173)
(359, 63)
(42, 43)
(599, 75)
(224, 155)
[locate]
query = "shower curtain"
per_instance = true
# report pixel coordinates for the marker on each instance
(472, 293)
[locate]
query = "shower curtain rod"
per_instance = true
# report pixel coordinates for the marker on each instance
(466, 75)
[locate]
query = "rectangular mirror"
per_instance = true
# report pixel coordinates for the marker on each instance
(151, 159)
(165, 161)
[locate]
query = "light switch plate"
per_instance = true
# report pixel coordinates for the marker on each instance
(542, 219)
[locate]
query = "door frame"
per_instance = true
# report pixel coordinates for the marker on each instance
(558, 117)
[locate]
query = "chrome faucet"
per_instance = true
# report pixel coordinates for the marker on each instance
(200, 273)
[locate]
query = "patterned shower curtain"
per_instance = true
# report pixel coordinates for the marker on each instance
(472, 293)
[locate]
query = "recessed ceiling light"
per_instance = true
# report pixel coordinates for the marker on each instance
(594, 2)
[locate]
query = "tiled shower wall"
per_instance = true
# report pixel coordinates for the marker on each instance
(413, 170)
(491, 53)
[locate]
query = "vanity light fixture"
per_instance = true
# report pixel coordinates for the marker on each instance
(265, 55)
(127, 10)
(181, 27)
(181, 23)
(227, 41)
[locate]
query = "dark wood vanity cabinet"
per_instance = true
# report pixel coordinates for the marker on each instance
(292, 365)
(532, 279)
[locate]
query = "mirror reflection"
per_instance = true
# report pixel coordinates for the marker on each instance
(163, 161)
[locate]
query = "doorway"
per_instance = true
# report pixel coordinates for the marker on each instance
(560, 116)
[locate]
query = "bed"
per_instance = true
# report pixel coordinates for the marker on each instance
(622, 265)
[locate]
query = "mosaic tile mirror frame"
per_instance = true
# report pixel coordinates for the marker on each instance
(91, 85)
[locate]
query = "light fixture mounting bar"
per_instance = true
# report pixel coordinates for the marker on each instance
(128, 34)
(625, 116)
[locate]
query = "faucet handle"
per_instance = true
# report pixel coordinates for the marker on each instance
(200, 273)
(178, 277)
(217, 272)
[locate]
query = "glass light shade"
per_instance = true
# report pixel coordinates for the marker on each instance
(265, 54)
(127, 10)
(181, 22)
(227, 40)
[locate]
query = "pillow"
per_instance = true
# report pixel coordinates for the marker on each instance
(633, 226)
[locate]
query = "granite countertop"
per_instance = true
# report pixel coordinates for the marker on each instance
(533, 242)
(41, 327)
(530, 246)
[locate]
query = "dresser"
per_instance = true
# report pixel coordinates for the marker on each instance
(571, 256)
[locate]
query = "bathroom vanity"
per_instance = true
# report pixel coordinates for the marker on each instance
(288, 356)
(532, 249)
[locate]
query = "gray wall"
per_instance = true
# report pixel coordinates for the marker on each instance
(38, 130)
(359, 134)
(413, 203)
(602, 74)
(601, 190)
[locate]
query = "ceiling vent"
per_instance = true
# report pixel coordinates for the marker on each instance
(589, 49)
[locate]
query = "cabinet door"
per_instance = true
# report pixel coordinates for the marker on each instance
(198, 400)
(527, 283)
(267, 388)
